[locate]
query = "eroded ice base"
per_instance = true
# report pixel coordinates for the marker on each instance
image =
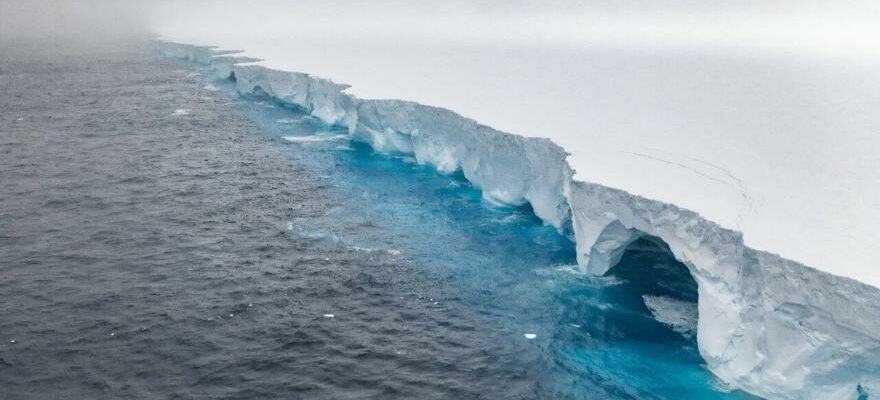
(766, 325)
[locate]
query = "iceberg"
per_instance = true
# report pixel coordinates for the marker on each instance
(767, 325)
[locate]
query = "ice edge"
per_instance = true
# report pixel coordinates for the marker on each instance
(766, 325)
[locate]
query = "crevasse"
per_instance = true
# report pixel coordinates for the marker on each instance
(766, 325)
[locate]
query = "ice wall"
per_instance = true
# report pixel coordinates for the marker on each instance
(766, 325)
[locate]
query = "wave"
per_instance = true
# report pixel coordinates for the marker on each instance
(765, 324)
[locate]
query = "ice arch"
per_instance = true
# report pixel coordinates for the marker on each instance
(653, 279)
(767, 325)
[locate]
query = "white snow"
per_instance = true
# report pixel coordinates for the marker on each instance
(726, 156)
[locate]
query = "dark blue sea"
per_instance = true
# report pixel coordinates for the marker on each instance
(163, 237)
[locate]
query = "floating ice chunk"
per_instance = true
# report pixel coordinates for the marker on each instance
(371, 250)
(310, 234)
(179, 112)
(530, 336)
(211, 87)
(314, 138)
(329, 316)
(679, 315)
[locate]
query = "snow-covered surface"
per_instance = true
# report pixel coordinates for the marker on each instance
(760, 118)
(767, 325)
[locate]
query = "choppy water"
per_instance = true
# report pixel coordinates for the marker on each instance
(161, 237)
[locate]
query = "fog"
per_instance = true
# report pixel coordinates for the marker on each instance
(73, 20)
(794, 28)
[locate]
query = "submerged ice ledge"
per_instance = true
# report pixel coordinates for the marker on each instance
(766, 325)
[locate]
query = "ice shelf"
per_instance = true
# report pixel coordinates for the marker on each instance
(767, 325)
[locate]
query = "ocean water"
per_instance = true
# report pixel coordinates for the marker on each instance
(163, 237)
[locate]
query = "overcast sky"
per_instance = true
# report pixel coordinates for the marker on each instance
(849, 28)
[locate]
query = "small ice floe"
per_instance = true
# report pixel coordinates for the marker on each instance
(314, 138)
(530, 336)
(250, 304)
(192, 74)
(286, 121)
(393, 252)
(112, 333)
(312, 234)
(329, 316)
(179, 112)
(12, 341)
(231, 315)
(576, 326)
(211, 87)
(680, 315)
(571, 269)
(364, 249)
(20, 119)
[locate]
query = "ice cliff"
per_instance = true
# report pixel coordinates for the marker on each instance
(766, 325)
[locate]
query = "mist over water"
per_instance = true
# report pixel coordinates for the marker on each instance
(83, 21)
